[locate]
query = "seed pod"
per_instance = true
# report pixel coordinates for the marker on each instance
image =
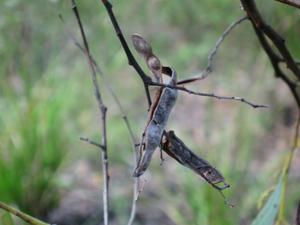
(154, 65)
(141, 45)
(158, 118)
(174, 147)
(152, 61)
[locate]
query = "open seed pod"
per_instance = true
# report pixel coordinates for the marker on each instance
(175, 148)
(158, 117)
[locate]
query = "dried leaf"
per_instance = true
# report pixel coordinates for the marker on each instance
(174, 147)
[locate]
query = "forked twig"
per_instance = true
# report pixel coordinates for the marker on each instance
(91, 142)
(124, 117)
(102, 109)
(147, 80)
(263, 30)
(131, 60)
(212, 95)
(204, 73)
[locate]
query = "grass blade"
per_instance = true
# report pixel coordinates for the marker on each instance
(268, 213)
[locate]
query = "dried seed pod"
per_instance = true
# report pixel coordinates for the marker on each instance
(174, 147)
(158, 118)
(144, 48)
(154, 65)
(141, 45)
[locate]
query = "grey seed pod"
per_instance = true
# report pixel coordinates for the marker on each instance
(156, 126)
(174, 147)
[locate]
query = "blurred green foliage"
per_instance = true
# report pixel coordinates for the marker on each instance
(47, 102)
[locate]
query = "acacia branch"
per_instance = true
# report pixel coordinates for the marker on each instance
(131, 60)
(102, 109)
(263, 30)
(212, 55)
(212, 95)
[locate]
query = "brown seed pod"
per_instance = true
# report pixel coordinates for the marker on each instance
(144, 48)
(154, 65)
(158, 118)
(174, 147)
(141, 45)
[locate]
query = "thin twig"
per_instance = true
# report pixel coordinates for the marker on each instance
(295, 3)
(102, 110)
(26, 218)
(131, 60)
(211, 57)
(92, 142)
(298, 214)
(126, 121)
(212, 95)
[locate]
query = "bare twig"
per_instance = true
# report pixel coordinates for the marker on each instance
(91, 142)
(131, 60)
(295, 3)
(212, 95)
(26, 218)
(107, 86)
(298, 214)
(102, 109)
(134, 200)
(204, 73)
(124, 117)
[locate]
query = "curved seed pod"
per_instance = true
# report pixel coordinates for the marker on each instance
(158, 118)
(174, 147)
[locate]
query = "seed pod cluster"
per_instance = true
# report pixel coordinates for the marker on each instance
(155, 135)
